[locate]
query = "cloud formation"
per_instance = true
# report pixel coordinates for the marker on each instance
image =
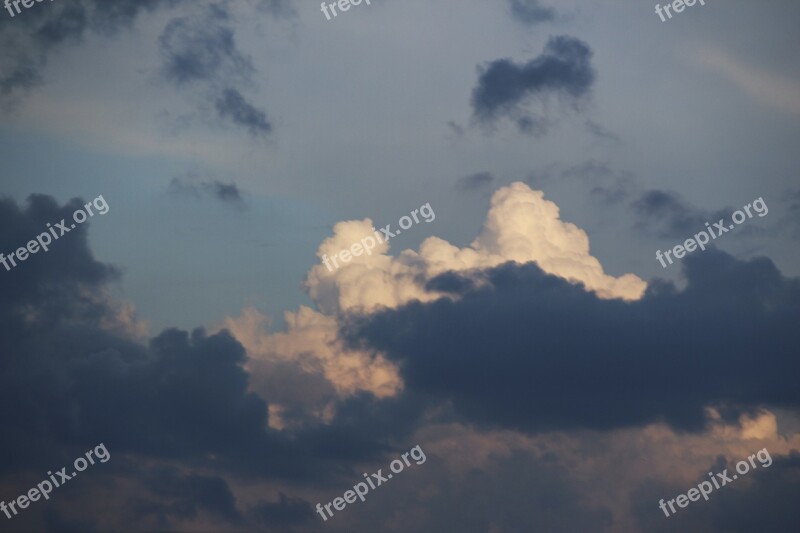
(231, 105)
(504, 87)
(668, 215)
(191, 186)
(212, 414)
(531, 11)
(29, 41)
(557, 357)
(201, 50)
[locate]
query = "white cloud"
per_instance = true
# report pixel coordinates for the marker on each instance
(521, 226)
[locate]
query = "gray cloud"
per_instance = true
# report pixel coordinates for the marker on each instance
(668, 215)
(29, 40)
(197, 49)
(201, 50)
(182, 399)
(473, 182)
(767, 501)
(555, 358)
(531, 11)
(194, 187)
(232, 106)
(504, 87)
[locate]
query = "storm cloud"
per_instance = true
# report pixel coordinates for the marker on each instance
(550, 355)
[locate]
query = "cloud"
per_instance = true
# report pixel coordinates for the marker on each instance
(29, 41)
(191, 186)
(531, 12)
(184, 496)
(201, 50)
(668, 215)
(552, 356)
(504, 88)
(521, 226)
(188, 416)
(198, 49)
(56, 309)
(232, 105)
(285, 512)
(762, 500)
(475, 181)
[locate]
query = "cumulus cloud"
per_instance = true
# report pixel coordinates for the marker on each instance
(521, 227)
(505, 88)
(491, 395)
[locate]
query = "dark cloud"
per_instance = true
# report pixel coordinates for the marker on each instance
(231, 105)
(504, 88)
(29, 40)
(550, 355)
(48, 281)
(763, 500)
(473, 182)
(531, 11)
(170, 498)
(603, 181)
(184, 496)
(72, 376)
(197, 188)
(201, 50)
(668, 215)
(197, 49)
(513, 492)
(283, 513)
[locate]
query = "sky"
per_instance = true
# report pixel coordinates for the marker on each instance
(590, 308)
